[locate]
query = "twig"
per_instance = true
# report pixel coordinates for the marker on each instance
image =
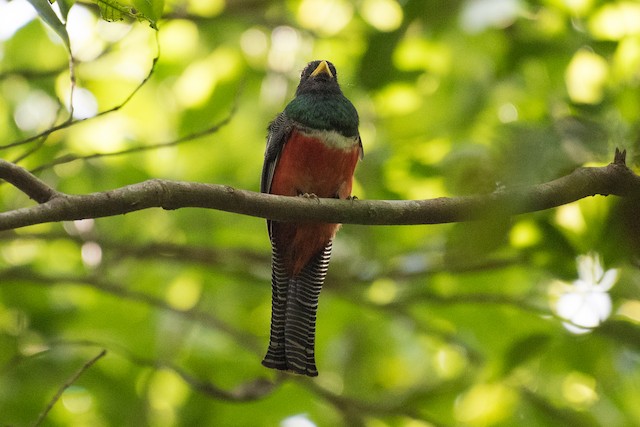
(248, 391)
(187, 138)
(66, 385)
(70, 121)
(26, 182)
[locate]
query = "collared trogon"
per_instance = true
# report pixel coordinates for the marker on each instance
(312, 150)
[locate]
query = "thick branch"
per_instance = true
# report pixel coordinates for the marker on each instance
(613, 179)
(28, 183)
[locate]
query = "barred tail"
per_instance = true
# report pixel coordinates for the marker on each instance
(275, 357)
(293, 314)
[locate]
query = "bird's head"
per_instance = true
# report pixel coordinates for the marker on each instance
(319, 76)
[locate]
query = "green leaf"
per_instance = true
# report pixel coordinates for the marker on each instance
(65, 6)
(142, 10)
(49, 16)
(111, 10)
(476, 240)
(150, 9)
(623, 332)
(523, 350)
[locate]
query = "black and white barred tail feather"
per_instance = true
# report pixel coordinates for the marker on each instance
(293, 314)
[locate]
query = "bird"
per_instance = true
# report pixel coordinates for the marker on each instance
(312, 150)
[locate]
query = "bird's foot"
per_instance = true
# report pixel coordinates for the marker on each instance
(311, 196)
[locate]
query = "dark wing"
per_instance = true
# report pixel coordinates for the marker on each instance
(279, 130)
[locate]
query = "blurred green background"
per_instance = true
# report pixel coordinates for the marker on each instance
(532, 320)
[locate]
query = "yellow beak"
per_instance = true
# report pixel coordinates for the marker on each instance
(323, 67)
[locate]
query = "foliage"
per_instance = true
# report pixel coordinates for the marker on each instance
(422, 325)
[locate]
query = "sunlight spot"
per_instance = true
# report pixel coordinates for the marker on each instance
(432, 151)
(273, 89)
(167, 390)
(13, 16)
(570, 217)
(115, 31)
(577, 7)
(326, 17)
(36, 111)
(382, 291)
(207, 8)
(485, 404)
(226, 62)
(449, 362)
(415, 53)
(13, 322)
(614, 21)
(130, 65)
(507, 113)
(196, 84)
(384, 15)
(285, 41)
(409, 422)
(586, 77)
(579, 389)
(300, 420)
(79, 227)
(397, 373)
(397, 99)
(77, 400)
(631, 310)
(84, 225)
(478, 15)
(19, 252)
(163, 163)
(184, 293)
(254, 42)
(627, 60)
(82, 26)
(84, 103)
(108, 134)
(91, 253)
(524, 234)
(33, 346)
(178, 40)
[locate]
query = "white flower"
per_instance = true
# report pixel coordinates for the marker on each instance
(586, 303)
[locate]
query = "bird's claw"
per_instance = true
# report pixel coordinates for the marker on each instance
(311, 196)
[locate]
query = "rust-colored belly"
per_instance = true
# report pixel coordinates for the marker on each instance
(308, 165)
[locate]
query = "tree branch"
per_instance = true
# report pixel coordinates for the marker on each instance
(613, 179)
(21, 275)
(68, 384)
(26, 182)
(250, 390)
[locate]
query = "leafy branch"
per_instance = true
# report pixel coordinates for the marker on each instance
(613, 179)
(70, 121)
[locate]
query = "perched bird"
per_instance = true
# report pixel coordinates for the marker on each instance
(312, 150)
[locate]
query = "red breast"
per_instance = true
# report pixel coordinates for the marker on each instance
(313, 165)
